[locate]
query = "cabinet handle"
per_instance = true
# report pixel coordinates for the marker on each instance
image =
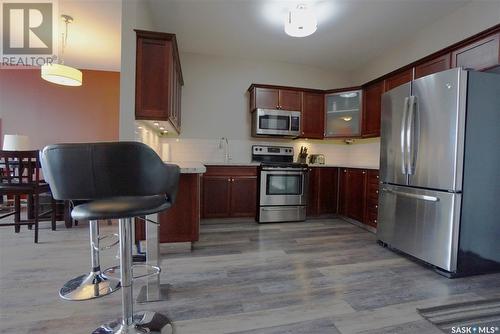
(364, 172)
(376, 191)
(229, 180)
(375, 221)
(376, 206)
(377, 176)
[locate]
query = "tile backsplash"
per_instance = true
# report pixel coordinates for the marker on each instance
(363, 153)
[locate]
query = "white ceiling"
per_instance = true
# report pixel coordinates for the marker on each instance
(94, 38)
(350, 32)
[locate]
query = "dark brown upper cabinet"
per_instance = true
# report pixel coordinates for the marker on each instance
(480, 52)
(343, 113)
(398, 79)
(269, 97)
(265, 98)
(313, 115)
(481, 55)
(372, 107)
(434, 65)
(159, 81)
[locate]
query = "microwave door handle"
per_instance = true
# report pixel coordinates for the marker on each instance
(403, 137)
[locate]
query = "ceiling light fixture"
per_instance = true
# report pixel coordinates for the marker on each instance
(59, 73)
(301, 22)
(346, 118)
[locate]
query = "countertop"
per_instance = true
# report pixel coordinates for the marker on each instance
(189, 167)
(242, 164)
(345, 166)
(194, 167)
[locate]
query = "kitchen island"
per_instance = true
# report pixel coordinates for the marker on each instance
(182, 221)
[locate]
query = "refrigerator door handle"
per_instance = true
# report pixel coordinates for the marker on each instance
(412, 135)
(404, 130)
(415, 196)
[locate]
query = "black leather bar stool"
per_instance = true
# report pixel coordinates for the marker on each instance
(120, 181)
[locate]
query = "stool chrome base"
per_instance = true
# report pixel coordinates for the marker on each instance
(88, 286)
(153, 294)
(144, 322)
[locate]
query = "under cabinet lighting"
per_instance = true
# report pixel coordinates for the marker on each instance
(349, 95)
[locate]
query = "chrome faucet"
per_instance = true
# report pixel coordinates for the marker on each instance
(224, 144)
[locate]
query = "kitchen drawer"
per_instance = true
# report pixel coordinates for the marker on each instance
(373, 196)
(372, 221)
(371, 188)
(373, 176)
(231, 171)
(372, 206)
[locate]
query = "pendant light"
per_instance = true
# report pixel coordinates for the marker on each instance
(59, 73)
(301, 22)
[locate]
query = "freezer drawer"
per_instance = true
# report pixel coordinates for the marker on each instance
(421, 223)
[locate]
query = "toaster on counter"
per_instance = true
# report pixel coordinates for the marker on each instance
(317, 159)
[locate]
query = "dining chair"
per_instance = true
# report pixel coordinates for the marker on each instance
(20, 176)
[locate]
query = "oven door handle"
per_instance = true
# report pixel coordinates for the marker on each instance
(285, 170)
(281, 208)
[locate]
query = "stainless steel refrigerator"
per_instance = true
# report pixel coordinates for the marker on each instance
(440, 171)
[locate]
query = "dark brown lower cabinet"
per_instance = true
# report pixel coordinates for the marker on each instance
(229, 192)
(243, 196)
(352, 193)
(358, 195)
(323, 189)
(181, 222)
(372, 189)
(216, 196)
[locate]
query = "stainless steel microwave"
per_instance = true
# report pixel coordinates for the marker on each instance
(270, 122)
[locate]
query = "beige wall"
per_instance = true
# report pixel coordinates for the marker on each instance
(50, 113)
(214, 99)
(476, 16)
(135, 15)
(215, 105)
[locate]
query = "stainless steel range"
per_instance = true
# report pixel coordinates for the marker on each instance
(282, 185)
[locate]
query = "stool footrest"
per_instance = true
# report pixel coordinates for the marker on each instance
(111, 245)
(113, 273)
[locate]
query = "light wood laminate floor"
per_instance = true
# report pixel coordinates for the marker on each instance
(320, 276)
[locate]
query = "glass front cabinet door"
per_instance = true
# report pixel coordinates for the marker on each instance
(343, 114)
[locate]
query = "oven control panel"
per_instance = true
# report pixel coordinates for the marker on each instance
(272, 150)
